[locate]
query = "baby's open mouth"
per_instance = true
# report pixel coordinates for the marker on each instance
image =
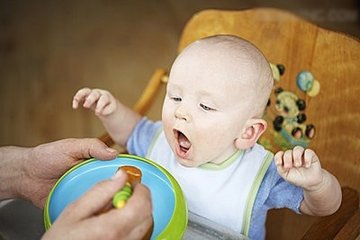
(183, 142)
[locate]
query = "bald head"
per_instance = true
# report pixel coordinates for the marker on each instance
(229, 59)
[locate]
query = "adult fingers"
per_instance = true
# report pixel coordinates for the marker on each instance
(141, 230)
(92, 147)
(134, 219)
(139, 206)
(141, 199)
(97, 198)
(114, 225)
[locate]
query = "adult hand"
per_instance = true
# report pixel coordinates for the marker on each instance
(80, 220)
(30, 173)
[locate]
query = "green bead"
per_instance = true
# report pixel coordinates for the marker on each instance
(122, 196)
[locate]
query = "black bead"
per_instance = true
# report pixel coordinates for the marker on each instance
(301, 104)
(301, 118)
(277, 123)
(281, 68)
(278, 90)
(295, 130)
(310, 128)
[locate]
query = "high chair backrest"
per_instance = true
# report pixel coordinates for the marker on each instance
(316, 85)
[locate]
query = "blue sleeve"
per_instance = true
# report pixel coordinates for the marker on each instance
(274, 192)
(142, 136)
(282, 194)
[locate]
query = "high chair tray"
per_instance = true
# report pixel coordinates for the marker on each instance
(200, 228)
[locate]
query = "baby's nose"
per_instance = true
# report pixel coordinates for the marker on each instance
(182, 114)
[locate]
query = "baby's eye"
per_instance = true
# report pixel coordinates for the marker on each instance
(176, 99)
(206, 108)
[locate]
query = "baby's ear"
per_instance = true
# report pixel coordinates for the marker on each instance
(250, 133)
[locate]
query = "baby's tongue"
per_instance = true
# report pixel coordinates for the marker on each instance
(184, 142)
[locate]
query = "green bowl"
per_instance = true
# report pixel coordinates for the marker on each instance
(169, 206)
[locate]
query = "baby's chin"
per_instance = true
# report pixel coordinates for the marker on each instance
(187, 163)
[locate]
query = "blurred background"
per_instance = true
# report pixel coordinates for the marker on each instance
(50, 49)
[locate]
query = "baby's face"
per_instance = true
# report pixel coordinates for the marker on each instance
(205, 109)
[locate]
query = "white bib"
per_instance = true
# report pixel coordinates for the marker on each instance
(225, 196)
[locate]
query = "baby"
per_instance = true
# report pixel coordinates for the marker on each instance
(216, 94)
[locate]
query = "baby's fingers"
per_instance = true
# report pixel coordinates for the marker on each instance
(110, 108)
(288, 161)
(278, 158)
(92, 98)
(105, 105)
(102, 103)
(310, 157)
(80, 96)
(279, 162)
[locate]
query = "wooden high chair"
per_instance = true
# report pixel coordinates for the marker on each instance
(332, 61)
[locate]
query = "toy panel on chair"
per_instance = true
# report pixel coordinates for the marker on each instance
(286, 112)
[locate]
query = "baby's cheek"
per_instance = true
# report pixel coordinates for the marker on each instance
(210, 141)
(167, 122)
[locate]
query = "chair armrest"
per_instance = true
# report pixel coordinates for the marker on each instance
(340, 224)
(148, 96)
(105, 138)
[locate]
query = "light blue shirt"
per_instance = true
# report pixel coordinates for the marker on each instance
(274, 191)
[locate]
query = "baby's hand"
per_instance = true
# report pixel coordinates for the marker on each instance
(300, 167)
(100, 101)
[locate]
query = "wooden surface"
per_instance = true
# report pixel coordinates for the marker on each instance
(352, 228)
(332, 226)
(344, 224)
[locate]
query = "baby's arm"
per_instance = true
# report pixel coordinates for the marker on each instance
(322, 191)
(117, 119)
